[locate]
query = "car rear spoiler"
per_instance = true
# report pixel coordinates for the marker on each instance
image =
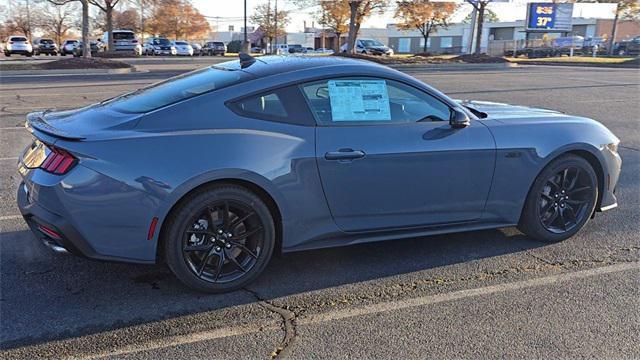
(38, 122)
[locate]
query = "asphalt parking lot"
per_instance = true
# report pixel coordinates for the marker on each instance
(489, 294)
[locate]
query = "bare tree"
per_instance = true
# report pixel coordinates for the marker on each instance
(360, 10)
(480, 6)
(25, 19)
(107, 7)
(58, 20)
(86, 48)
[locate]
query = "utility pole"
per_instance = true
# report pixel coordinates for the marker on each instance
(245, 44)
(29, 21)
(275, 19)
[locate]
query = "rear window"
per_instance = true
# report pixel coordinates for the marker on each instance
(46, 41)
(218, 43)
(123, 36)
(175, 89)
(18, 38)
(71, 41)
(181, 43)
(160, 41)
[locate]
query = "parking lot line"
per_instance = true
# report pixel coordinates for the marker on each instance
(9, 159)
(374, 309)
(10, 217)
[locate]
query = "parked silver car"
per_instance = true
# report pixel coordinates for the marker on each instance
(68, 46)
(159, 46)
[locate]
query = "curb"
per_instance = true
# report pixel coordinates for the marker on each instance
(70, 72)
(582, 64)
(457, 66)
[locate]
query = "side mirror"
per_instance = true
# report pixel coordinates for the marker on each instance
(459, 119)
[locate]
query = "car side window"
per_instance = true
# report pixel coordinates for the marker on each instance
(367, 101)
(262, 106)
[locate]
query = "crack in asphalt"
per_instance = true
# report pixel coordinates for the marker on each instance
(288, 323)
(403, 289)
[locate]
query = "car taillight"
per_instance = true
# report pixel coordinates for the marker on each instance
(58, 161)
(10, 42)
(134, 41)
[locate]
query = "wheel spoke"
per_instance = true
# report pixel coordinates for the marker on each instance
(204, 262)
(574, 179)
(563, 177)
(238, 221)
(546, 208)
(547, 197)
(553, 183)
(248, 233)
(236, 263)
(576, 202)
(563, 221)
(579, 190)
(202, 247)
(570, 213)
(552, 218)
(219, 266)
(199, 232)
(245, 250)
(225, 214)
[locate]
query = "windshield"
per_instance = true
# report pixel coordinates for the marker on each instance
(181, 43)
(123, 36)
(71, 41)
(371, 43)
(175, 89)
(161, 41)
(46, 41)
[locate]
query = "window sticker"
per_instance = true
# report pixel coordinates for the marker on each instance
(359, 100)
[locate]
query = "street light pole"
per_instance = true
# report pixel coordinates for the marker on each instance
(275, 19)
(245, 46)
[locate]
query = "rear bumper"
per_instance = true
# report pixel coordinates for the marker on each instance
(37, 217)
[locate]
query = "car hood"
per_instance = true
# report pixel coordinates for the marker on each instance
(499, 111)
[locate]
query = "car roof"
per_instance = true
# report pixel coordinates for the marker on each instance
(274, 64)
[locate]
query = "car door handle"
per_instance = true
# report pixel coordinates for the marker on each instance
(344, 154)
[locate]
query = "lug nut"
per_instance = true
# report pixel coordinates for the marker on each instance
(228, 246)
(219, 231)
(218, 248)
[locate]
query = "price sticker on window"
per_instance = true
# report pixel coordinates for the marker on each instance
(359, 100)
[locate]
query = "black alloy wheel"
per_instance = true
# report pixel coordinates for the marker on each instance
(561, 200)
(564, 199)
(223, 241)
(219, 238)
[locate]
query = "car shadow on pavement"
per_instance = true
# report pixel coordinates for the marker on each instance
(47, 297)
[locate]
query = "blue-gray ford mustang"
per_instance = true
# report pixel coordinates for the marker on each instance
(214, 171)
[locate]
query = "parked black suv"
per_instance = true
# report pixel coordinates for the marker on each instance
(214, 48)
(628, 47)
(44, 46)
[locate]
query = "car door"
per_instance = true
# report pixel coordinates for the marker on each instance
(388, 157)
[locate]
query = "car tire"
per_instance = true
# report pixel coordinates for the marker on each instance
(561, 200)
(7, 54)
(196, 243)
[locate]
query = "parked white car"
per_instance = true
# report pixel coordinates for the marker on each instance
(324, 51)
(370, 47)
(123, 41)
(183, 48)
(17, 44)
(282, 49)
